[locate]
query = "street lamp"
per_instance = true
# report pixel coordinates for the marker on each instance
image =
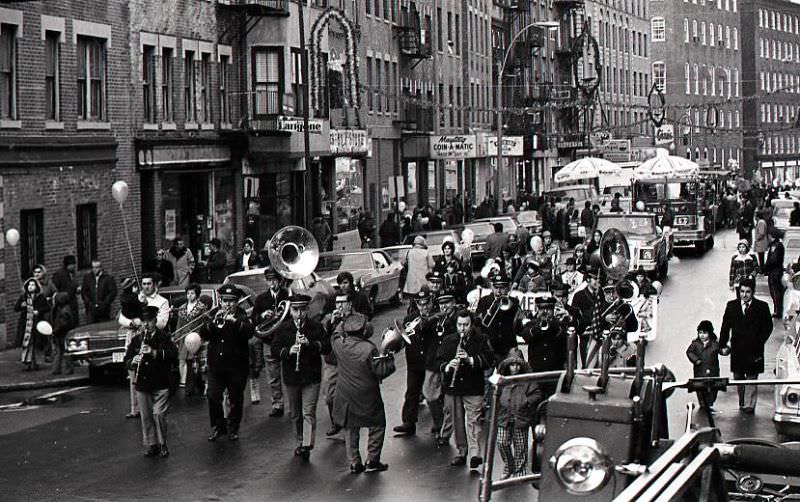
(549, 25)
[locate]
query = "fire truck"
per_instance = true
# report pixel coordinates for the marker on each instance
(693, 203)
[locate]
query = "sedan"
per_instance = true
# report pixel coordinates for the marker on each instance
(373, 271)
(434, 240)
(312, 285)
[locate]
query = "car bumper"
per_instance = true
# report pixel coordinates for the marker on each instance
(99, 357)
(787, 423)
(686, 238)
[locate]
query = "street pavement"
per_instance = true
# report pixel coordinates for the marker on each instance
(75, 444)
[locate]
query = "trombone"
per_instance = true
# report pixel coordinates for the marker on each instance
(503, 303)
(216, 314)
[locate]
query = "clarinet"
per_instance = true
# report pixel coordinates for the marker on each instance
(141, 331)
(299, 348)
(458, 365)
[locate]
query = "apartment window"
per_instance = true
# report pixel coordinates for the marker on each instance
(450, 29)
(441, 106)
(267, 81)
(377, 9)
(735, 83)
(368, 7)
(736, 39)
(711, 34)
(378, 88)
(205, 87)
(31, 230)
(52, 75)
(369, 84)
(8, 71)
(696, 75)
(657, 29)
(458, 103)
(224, 90)
(167, 85)
(457, 35)
(86, 234)
(694, 29)
(388, 88)
(719, 35)
(189, 87)
(386, 10)
(297, 82)
(660, 75)
(727, 37)
(393, 88)
(91, 78)
(148, 83)
(451, 95)
(439, 28)
(703, 38)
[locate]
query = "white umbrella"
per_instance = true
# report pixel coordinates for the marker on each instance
(664, 165)
(587, 167)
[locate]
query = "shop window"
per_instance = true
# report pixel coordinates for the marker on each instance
(31, 239)
(272, 201)
(91, 78)
(349, 193)
(86, 230)
(52, 75)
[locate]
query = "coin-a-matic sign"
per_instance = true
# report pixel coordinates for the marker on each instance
(453, 147)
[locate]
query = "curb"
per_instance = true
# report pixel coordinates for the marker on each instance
(44, 384)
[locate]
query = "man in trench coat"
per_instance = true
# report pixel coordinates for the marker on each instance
(747, 325)
(358, 402)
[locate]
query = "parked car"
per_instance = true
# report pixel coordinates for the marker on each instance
(434, 240)
(581, 193)
(102, 345)
(647, 244)
(787, 397)
(397, 253)
(531, 220)
(313, 285)
(373, 271)
(781, 211)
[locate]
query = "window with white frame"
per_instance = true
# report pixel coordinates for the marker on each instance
(224, 89)
(694, 29)
(149, 83)
(205, 88)
(711, 34)
(660, 75)
(696, 75)
(267, 80)
(658, 29)
(687, 78)
(703, 39)
(686, 35)
(736, 39)
(167, 85)
(52, 75)
(8, 71)
(91, 52)
(189, 87)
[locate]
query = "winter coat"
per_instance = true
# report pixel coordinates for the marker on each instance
(216, 267)
(182, 265)
(747, 335)
(519, 401)
(704, 357)
(357, 400)
(417, 263)
(40, 304)
(501, 330)
(154, 371)
(773, 263)
(310, 355)
(761, 239)
(227, 346)
(742, 266)
(469, 378)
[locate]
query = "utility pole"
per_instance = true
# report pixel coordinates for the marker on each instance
(310, 185)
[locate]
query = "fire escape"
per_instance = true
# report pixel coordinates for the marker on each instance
(414, 37)
(567, 94)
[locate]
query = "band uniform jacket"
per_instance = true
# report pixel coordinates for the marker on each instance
(154, 369)
(416, 351)
(227, 346)
(501, 331)
(547, 349)
(357, 400)
(469, 379)
(747, 334)
(310, 355)
(267, 301)
(434, 331)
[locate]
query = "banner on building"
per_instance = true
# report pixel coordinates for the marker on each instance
(617, 150)
(512, 146)
(350, 141)
(295, 124)
(453, 147)
(665, 134)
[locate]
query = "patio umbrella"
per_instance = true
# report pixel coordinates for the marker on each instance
(587, 167)
(664, 165)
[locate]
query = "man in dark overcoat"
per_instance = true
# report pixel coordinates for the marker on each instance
(746, 325)
(773, 269)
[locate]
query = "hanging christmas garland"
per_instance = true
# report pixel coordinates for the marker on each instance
(351, 57)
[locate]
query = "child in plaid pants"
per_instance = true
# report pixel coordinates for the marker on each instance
(515, 413)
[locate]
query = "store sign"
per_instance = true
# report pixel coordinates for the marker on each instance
(453, 147)
(599, 138)
(512, 146)
(350, 141)
(665, 134)
(566, 141)
(617, 150)
(295, 124)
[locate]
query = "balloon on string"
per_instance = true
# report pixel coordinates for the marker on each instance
(401, 206)
(119, 190)
(640, 205)
(192, 343)
(12, 237)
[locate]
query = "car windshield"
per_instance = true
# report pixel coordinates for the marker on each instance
(528, 217)
(255, 282)
(354, 261)
(481, 230)
(629, 225)
(657, 192)
(570, 193)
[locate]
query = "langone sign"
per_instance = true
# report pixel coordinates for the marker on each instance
(512, 146)
(453, 147)
(350, 141)
(295, 124)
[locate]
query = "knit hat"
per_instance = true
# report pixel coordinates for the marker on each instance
(745, 243)
(707, 326)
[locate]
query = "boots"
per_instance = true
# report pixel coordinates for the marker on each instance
(255, 392)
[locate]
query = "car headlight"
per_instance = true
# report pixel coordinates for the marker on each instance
(646, 254)
(77, 345)
(791, 396)
(581, 466)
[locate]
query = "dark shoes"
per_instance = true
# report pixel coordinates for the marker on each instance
(458, 461)
(152, 451)
(748, 410)
(132, 415)
(216, 434)
(276, 412)
(334, 430)
(376, 466)
(356, 468)
(442, 441)
(164, 451)
(475, 462)
(233, 436)
(406, 429)
(304, 452)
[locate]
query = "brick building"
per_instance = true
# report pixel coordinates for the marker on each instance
(696, 58)
(64, 139)
(770, 80)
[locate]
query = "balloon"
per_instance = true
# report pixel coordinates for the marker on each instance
(657, 286)
(12, 236)
(467, 235)
(640, 205)
(401, 206)
(119, 190)
(192, 342)
(44, 328)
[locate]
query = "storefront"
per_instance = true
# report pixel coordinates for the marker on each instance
(451, 154)
(188, 191)
(342, 179)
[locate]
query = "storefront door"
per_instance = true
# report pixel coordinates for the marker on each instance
(186, 208)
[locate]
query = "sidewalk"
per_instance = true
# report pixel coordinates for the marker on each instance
(12, 377)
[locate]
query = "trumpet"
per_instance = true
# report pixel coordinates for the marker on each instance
(502, 303)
